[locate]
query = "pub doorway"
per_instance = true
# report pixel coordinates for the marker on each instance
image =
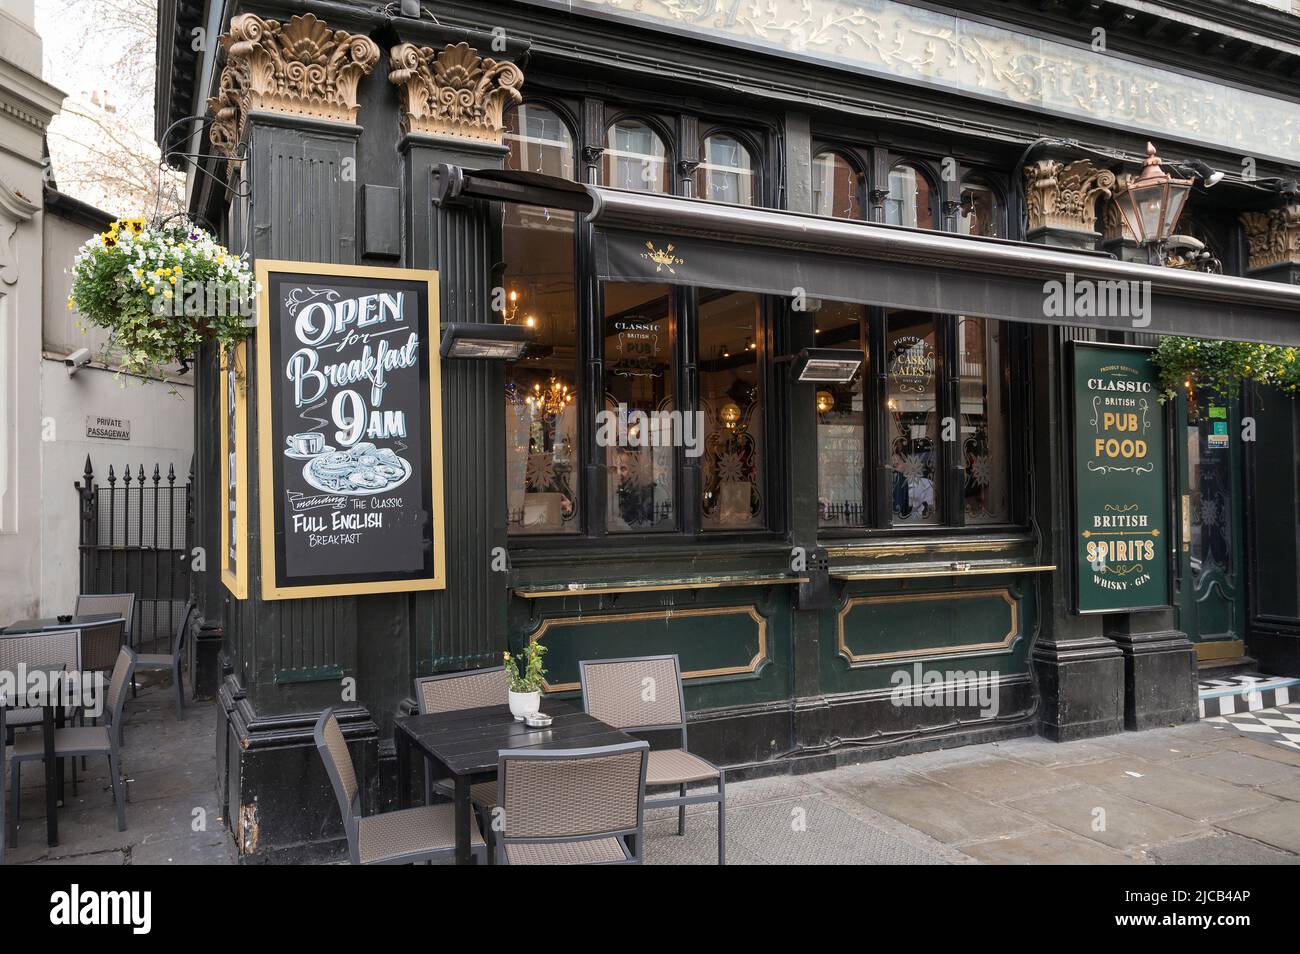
(1208, 587)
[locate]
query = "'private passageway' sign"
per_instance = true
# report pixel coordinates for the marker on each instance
(349, 437)
(1120, 495)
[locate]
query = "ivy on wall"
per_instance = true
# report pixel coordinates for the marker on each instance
(1192, 364)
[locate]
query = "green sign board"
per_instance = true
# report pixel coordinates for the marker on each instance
(1120, 498)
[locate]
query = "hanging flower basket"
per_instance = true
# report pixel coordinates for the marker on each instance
(161, 291)
(1192, 364)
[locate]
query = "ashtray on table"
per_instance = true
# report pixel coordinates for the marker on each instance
(538, 720)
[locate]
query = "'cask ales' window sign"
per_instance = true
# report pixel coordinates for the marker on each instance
(1120, 493)
(350, 435)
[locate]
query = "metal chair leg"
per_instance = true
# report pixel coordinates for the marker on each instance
(722, 818)
(117, 793)
(16, 781)
(180, 695)
(681, 813)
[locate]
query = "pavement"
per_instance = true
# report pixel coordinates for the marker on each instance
(1195, 794)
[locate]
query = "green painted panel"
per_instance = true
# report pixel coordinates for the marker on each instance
(877, 628)
(731, 652)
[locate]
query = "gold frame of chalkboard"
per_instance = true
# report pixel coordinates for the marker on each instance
(268, 453)
(236, 580)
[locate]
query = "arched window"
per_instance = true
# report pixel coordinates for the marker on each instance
(836, 187)
(539, 141)
(726, 171)
(538, 292)
(982, 211)
(910, 199)
(636, 158)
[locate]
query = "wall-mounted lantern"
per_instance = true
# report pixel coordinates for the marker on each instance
(1152, 203)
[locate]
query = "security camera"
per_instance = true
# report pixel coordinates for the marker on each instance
(78, 359)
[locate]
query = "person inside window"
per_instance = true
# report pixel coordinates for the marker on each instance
(642, 501)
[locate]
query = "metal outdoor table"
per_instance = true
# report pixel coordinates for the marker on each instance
(463, 745)
(50, 623)
(51, 719)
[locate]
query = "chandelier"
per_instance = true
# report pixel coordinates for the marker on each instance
(551, 400)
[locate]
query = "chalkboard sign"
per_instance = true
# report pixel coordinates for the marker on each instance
(234, 471)
(350, 430)
(1120, 481)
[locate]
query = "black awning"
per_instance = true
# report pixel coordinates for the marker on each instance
(642, 237)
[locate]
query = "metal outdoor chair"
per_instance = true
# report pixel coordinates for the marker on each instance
(60, 647)
(572, 806)
(453, 692)
(425, 833)
(642, 694)
(153, 662)
(103, 642)
(81, 741)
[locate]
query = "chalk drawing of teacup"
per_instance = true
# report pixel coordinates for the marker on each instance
(308, 442)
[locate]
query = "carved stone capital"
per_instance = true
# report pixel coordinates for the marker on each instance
(302, 68)
(453, 92)
(1063, 195)
(1273, 237)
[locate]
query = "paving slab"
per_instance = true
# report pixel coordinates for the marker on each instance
(1168, 787)
(1157, 745)
(1221, 848)
(1239, 768)
(1278, 826)
(1264, 750)
(1048, 846)
(1107, 817)
(1050, 754)
(999, 779)
(943, 813)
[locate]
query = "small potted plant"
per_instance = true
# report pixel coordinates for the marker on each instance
(525, 684)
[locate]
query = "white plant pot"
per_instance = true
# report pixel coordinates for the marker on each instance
(524, 704)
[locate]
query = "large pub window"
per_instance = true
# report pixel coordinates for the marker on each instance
(942, 407)
(639, 431)
(543, 459)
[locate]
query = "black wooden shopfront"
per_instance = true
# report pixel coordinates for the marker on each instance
(827, 538)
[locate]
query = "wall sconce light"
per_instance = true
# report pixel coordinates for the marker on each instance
(1151, 203)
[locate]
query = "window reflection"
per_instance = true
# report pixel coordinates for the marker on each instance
(731, 400)
(639, 427)
(981, 211)
(835, 187)
(726, 171)
(982, 355)
(909, 198)
(841, 420)
(635, 158)
(541, 413)
(911, 360)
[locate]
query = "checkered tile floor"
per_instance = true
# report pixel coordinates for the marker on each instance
(1280, 725)
(1248, 692)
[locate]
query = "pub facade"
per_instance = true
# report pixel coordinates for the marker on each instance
(836, 378)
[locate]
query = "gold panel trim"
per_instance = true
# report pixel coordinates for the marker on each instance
(914, 549)
(858, 659)
(579, 589)
(665, 614)
(1220, 649)
(236, 579)
(951, 571)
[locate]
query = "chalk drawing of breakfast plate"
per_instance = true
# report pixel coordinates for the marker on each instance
(362, 469)
(328, 449)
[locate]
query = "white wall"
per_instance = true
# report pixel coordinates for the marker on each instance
(161, 420)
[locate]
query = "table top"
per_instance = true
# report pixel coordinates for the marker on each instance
(48, 623)
(466, 741)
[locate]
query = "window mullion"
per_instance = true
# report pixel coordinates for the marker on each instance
(686, 309)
